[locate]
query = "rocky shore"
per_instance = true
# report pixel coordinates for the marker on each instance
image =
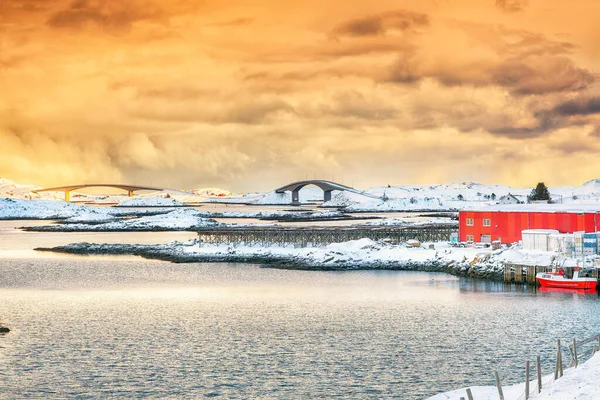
(354, 256)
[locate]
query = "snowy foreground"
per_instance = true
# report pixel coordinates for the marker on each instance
(581, 383)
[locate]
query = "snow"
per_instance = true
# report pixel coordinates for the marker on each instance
(439, 197)
(402, 222)
(463, 196)
(362, 253)
(150, 202)
(98, 221)
(12, 190)
(38, 209)
(581, 383)
(211, 192)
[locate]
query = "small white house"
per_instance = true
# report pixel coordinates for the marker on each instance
(509, 199)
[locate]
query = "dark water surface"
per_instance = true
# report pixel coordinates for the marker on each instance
(89, 328)
(110, 327)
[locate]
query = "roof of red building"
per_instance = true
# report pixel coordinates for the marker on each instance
(549, 208)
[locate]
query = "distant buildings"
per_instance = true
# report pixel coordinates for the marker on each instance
(509, 199)
(506, 222)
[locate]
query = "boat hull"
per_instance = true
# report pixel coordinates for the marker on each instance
(553, 281)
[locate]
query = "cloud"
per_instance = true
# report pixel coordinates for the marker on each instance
(511, 5)
(399, 20)
(581, 106)
(521, 62)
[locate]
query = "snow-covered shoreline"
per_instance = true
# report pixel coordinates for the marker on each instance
(351, 255)
(577, 383)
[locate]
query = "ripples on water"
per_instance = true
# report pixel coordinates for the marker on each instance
(109, 327)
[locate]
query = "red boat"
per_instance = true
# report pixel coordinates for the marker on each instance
(559, 280)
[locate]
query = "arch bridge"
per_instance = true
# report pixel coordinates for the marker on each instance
(326, 186)
(68, 189)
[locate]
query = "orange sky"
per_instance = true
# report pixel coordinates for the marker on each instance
(250, 95)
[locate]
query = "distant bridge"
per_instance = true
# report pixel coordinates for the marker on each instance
(68, 189)
(326, 186)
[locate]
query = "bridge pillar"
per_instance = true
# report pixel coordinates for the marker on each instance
(296, 196)
(130, 193)
(327, 195)
(67, 195)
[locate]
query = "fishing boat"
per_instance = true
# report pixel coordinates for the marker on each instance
(557, 279)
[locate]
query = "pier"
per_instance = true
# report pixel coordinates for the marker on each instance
(525, 274)
(320, 236)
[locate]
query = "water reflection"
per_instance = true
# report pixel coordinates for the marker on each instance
(125, 328)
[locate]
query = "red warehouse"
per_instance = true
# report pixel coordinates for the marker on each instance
(505, 223)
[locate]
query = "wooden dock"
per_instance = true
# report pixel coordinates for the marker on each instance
(519, 273)
(320, 236)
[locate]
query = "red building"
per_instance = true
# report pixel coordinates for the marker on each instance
(505, 223)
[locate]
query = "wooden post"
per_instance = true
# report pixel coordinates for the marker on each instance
(499, 386)
(539, 374)
(469, 394)
(527, 380)
(507, 273)
(575, 351)
(557, 366)
(560, 364)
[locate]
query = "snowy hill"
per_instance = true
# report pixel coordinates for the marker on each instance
(12, 190)
(458, 196)
(453, 196)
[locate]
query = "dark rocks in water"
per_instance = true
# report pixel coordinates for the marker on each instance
(4, 329)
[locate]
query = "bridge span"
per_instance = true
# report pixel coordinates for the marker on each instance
(68, 189)
(326, 186)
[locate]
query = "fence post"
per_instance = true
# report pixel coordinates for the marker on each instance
(469, 394)
(575, 351)
(539, 374)
(499, 386)
(558, 368)
(526, 380)
(560, 364)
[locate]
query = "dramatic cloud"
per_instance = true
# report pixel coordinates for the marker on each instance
(249, 97)
(579, 107)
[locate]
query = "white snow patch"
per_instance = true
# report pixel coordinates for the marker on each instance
(150, 202)
(38, 209)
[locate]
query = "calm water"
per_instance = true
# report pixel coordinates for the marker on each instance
(102, 327)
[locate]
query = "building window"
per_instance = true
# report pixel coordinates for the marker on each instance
(487, 222)
(486, 238)
(470, 238)
(470, 222)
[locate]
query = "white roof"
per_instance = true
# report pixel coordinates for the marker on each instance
(544, 231)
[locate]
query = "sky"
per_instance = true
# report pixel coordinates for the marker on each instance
(251, 95)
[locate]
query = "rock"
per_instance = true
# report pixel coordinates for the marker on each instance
(4, 329)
